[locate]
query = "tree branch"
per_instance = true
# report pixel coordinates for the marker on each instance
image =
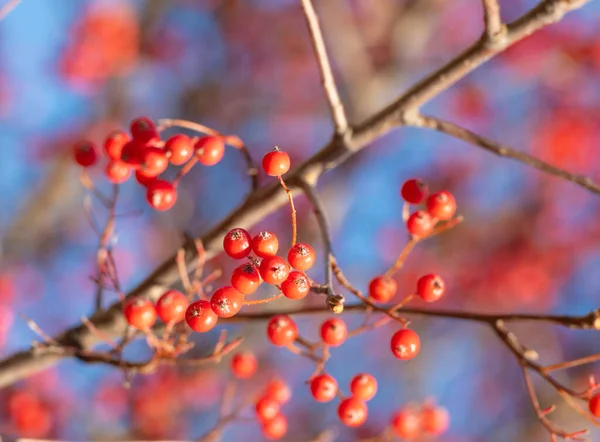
(494, 29)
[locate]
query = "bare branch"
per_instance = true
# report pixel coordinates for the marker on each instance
(494, 29)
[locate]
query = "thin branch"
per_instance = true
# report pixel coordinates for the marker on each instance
(494, 29)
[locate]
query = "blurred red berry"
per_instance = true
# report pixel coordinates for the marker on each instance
(441, 205)
(278, 390)
(352, 412)
(154, 161)
(414, 191)
(435, 419)
(323, 387)
(382, 288)
(142, 179)
(171, 306)
(117, 172)
(275, 428)
(420, 224)
(113, 145)
(282, 330)
(276, 163)
(180, 149)
(143, 130)
(594, 405)
(244, 364)
(430, 287)
(209, 150)
(363, 386)
(86, 154)
(266, 409)
(334, 332)
(161, 195)
(406, 424)
(405, 344)
(140, 313)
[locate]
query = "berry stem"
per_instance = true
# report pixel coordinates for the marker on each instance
(263, 301)
(293, 210)
(402, 257)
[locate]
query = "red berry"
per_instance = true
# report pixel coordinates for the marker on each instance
(430, 287)
(171, 306)
(86, 154)
(594, 405)
(144, 180)
(226, 302)
(143, 130)
(334, 332)
(420, 224)
(296, 286)
(209, 150)
(237, 243)
(266, 409)
(278, 390)
(441, 205)
(435, 420)
(244, 365)
(113, 145)
(406, 424)
(352, 412)
(131, 153)
(414, 191)
(200, 317)
(265, 244)
(382, 288)
(117, 172)
(140, 313)
(161, 195)
(276, 163)
(274, 270)
(301, 256)
(323, 387)
(282, 330)
(405, 344)
(275, 428)
(154, 161)
(180, 149)
(363, 386)
(245, 278)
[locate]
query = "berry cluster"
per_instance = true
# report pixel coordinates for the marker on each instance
(412, 422)
(441, 206)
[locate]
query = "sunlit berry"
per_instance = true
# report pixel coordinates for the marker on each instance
(296, 286)
(441, 205)
(275, 428)
(594, 405)
(154, 161)
(406, 424)
(117, 172)
(419, 224)
(414, 191)
(276, 163)
(352, 412)
(274, 270)
(334, 332)
(236, 243)
(171, 306)
(161, 195)
(113, 145)
(209, 150)
(363, 386)
(200, 317)
(430, 287)
(382, 288)
(278, 390)
(265, 244)
(301, 256)
(435, 419)
(180, 149)
(142, 179)
(323, 387)
(244, 364)
(226, 302)
(140, 313)
(405, 344)
(245, 278)
(143, 130)
(282, 330)
(86, 154)
(266, 408)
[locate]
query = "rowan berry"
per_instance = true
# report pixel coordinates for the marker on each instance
(171, 306)
(140, 313)
(117, 172)
(278, 390)
(430, 287)
(143, 130)
(352, 412)
(405, 344)
(282, 330)
(180, 149)
(382, 288)
(414, 191)
(323, 387)
(265, 244)
(334, 332)
(226, 302)
(85, 153)
(276, 163)
(154, 161)
(441, 205)
(363, 386)
(113, 145)
(209, 150)
(275, 428)
(237, 243)
(142, 179)
(274, 270)
(296, 286)
(131, 153)
(245, 278)
(200, 317)
(161, 195)
(594, 405)
(435, 419)
(244, 364)
(406, 424)
(266, 408)
(301, 256)
(420, 224)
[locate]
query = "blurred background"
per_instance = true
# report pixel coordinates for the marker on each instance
(74, 69)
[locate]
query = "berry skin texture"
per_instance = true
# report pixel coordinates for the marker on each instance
(406, 424)
(435, 420)
(140, 313)
(419, 224)
(323, 387)
(113, 145)
(180, 149)
(274, 270)
(334, 332)
(171, 306)
(265, 244)
(363, 386)
(209, 150)
(276, 163)
(414, 191)
(237, 243)
(441, 205)
(275, 428)
(405, 344)
(430, 287)
(143, 130)
(266, 409)
(244, 365)
(85, 153)
(282, 330)
(594, 405)
(161, 195)
(301, 256)
(117, 172)
(245, 278)
(200, 317)
(226, 302)
(278, 390)
(154, 161)
(352, 412)
(382, 288)
(296, 286)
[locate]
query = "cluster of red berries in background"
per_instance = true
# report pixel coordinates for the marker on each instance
(441, 206)
(412, 422)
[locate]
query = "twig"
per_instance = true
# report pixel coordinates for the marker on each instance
(494, 29)
(292, 209)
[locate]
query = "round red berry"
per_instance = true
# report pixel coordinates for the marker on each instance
(144, 180)
(419, 224)
(334, 332)
(276, 163)
(161, 195)
(244, 365)
(143, 130)
(405, 344)
(274, 270)
(180, 149)
(275, 428)
(117, 172)
(406, 424)
(414, 191)
(363, 386)
(113, 145)
(430, 287)
(323, 387)
(245, 278)
(200, 317)
(265, 244)
(154, 161)
(85, 153)
(171, 306)
(209, 150)
(296, 286)
(282, 330)
(382, 288)
(278, 390)
(301, 256)
(594, 405)
(226, 302)
(131, 153)
(237, 243)
(441, 205)
(140, 313)
(352, 412)
(266, 409)
(435, 419)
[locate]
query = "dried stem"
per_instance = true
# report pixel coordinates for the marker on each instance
(292, 208)
(494, 29)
